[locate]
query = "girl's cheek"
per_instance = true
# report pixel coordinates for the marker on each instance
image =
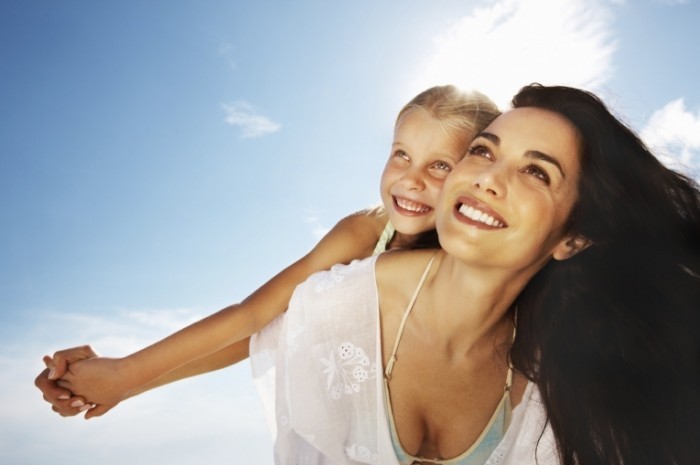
(438, 183)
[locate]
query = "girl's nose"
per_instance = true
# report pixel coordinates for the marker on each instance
(413, 180)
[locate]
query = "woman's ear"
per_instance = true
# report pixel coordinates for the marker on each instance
(570, 246)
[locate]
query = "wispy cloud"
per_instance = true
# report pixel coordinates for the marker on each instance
(226, 50)
(312, 219)
(195, 420)
(673, 132)
(673, 2)
(115, 332)
(511, 43)
(242, 115)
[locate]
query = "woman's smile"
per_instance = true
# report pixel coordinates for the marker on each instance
(470, 211)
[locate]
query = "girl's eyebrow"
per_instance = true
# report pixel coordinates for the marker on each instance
(536, 154)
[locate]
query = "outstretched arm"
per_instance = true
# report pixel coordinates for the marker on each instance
(65, 403)
(210, 343)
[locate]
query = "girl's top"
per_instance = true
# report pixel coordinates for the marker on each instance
(490, 437)
(384, 239)
(318, 368)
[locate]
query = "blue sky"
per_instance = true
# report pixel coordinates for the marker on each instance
(160, 160)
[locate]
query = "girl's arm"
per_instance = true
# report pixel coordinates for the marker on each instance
(233, 353)
(207, 344)
(66, 403)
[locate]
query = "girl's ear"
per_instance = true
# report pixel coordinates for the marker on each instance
(570, 246)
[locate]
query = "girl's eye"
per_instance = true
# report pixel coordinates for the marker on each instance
(480, 151)
(442, 166)
(537, 172)
(401, 154)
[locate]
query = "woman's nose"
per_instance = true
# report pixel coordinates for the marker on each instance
(491, 180)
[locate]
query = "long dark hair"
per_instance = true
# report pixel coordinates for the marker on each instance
(611, 336)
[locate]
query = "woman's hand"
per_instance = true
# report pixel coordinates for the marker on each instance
(62, 400)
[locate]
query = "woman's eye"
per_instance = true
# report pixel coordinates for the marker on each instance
(480, 151)
(537, 172)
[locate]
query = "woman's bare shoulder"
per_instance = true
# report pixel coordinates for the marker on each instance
(397, 273)
(402, 266)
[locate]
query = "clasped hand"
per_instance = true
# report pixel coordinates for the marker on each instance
(77, 380)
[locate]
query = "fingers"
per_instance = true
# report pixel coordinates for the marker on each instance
(64, 383)
(62, 400)
(63, 358)
(97, 411)
(49, 388)
(72, 407)
(56, 391)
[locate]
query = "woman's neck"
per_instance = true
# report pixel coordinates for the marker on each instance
(469, 305)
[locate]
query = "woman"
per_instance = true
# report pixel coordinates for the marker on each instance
(559, 223)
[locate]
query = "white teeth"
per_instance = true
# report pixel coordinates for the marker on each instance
(412, 206)
(477, 215)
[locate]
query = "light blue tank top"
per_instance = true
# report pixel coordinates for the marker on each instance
(490, 437)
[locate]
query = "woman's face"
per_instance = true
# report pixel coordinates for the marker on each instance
(507, 202)
(423, 153)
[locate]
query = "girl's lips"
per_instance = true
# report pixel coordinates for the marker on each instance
(471, 211)
(409, 207)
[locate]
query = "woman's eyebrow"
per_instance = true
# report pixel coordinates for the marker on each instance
(490, 136)
(535, 154)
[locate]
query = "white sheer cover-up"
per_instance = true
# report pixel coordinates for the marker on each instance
(318, 369)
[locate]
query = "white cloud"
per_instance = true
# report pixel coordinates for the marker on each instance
(510, 43)
(252, 124)
(193, 420)
(226, 50)
(117, 332)
(673, 2)
(317, 229)
(673, 133)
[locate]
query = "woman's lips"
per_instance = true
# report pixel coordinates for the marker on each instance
(475, 212)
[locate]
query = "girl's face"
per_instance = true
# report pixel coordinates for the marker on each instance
(507, 202)
(422, 155)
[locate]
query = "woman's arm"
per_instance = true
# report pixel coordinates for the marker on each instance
(208, 344)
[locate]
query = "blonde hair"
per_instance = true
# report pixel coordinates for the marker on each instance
(455, 109)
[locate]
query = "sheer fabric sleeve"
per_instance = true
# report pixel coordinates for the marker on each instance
(317, 364)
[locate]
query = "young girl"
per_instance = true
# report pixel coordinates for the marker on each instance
(431, 134)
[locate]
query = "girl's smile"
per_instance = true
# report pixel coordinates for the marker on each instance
(423, 153)
(409, 207)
